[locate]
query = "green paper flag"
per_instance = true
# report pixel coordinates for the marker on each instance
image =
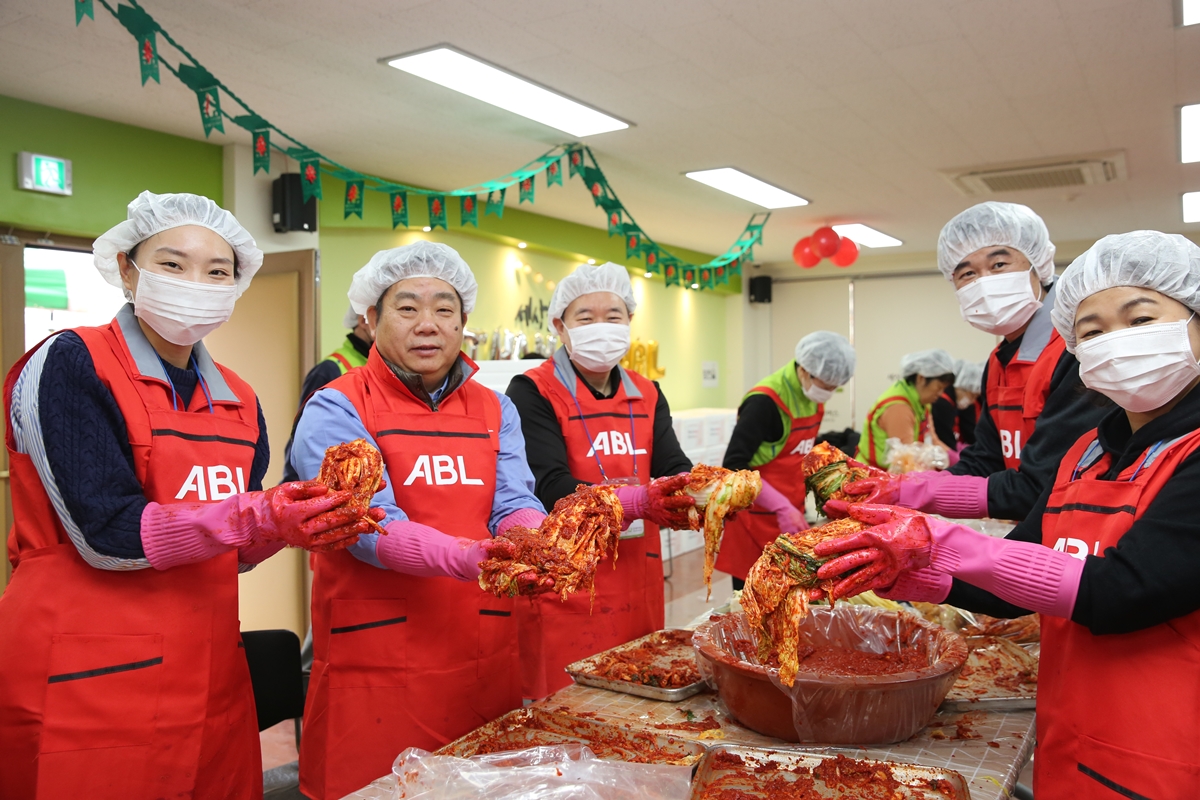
(575, 160)
(354, 199)
(148, 57)
(689, 277)
(495, 203)
(614, 223)
(706, 278)
(262, 151)
(554, 173)
(210, 110)
(437, 211)
(468, 210)
(399, 201)
(633, 245)
(652, 258)
(142, 26)
(310, 179)
(721, 274)
(526, 190)
(84, 8)
(672, 275)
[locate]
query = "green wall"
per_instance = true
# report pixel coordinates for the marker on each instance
(111, 164)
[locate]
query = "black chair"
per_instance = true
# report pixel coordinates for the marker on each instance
(275, 674)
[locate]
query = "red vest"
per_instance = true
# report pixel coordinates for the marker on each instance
(1120, 711)
(130, 684)
(747, 533)
(402, 661)
(1016, 393)
(604, 439)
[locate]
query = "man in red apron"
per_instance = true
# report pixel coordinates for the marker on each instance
(407, 650)
(130, 451)
(777, 425)
(586, 419)
(1111, 556)
(1000, 259)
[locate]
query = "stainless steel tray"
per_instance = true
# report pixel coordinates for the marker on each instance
(534, 727)
(976, 689)
(922, 783)
(584, 671)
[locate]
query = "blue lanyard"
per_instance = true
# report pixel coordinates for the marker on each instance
(1149, 453)
(175, 396)
(592, 442)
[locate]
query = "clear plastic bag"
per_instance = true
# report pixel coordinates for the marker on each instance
(915, 457)
(827, 708)
(559, 772)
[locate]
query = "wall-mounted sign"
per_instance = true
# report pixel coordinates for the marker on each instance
(39, 173)
(710, 375)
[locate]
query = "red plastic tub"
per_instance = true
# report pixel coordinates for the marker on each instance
(833, 709)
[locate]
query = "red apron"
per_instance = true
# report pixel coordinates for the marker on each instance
(1118, 715)
(605, 439)
(747, 533)
(922, 427)
(1016, 394)
(402, 661)
(130, 684)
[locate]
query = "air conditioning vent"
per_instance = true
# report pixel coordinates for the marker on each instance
(1046, 174)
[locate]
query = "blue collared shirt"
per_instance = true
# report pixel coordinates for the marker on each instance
(330, 418)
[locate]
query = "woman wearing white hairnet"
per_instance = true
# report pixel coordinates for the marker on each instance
(1000, 260)
(953, 413)
(777, 425)
(1110, 554)
(131, 454)
(407, 650)
(586, 419)
(902, 411)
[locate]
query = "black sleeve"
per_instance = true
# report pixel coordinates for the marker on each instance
(972, 598)
(944, 414)
(1153, 574)
(545, 446)
(667, 457)
(966, 425)
(758, 421)
(87, 448)
(325, 372)
(262, 454)
(984, 457)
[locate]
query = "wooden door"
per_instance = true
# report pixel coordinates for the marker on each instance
(271, 342)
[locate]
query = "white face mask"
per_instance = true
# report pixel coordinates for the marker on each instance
(816, 393)
(182, 312)
(999, 304)
(1139, 369)
(599, 346)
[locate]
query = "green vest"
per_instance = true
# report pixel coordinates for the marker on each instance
(786, 384)
(347, 355)
(899, 392)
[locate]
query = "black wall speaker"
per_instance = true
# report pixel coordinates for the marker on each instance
(760, 289)
(289, 212)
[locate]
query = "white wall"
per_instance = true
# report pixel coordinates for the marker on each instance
(248, 197)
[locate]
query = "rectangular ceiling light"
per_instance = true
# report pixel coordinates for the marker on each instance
(475, 78)
(1191, 12)
(1189, 133)
(866, 236)
(1191, 207)
(739, 184)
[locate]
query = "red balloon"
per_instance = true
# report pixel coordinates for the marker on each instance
(803, 254)
(825, 242)
(847, 253)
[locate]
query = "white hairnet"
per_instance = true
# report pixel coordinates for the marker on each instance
(990, 224)
(608, 277)
(827, 356)
(1165, 262)
(421, 259)
(927, 364)
(969, 377)
(151, 213)
(350, 318)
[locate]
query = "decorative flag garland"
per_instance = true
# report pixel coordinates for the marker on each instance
(581, 162)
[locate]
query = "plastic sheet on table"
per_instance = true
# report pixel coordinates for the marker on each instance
(560, 772)
(829, 708)
(915, 457)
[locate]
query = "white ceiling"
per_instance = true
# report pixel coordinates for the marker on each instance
(853, 104)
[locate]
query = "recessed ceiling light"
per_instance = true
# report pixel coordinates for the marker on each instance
(522, 245)
(1189, 134)
(467, 74)
(866, 236)
(649, 274)
(591, 261)
(739, 184)
(1191, 12)
(695, 286)
(427, 229)
(1191, 207)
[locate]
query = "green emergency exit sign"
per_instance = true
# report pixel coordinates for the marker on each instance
(39, 173)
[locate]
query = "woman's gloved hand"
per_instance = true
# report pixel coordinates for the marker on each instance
(958, 496)
(899, 540)
(306, 514)
(658, 502)
(789, 518)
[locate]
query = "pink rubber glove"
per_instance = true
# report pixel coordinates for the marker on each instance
(789, 518)
(302, 513)
(952, 455)
(658, 502)
(524, 517)
(416, 549)
(958, 496)
(925, 585)
(898, 540)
